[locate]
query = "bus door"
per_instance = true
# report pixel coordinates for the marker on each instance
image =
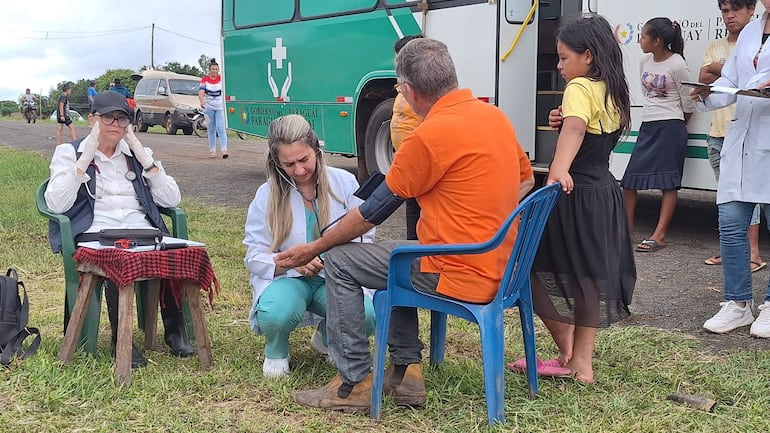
(517, 67)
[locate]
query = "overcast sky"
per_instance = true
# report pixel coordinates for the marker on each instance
(45, 42)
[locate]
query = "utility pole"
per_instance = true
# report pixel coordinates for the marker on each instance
(152, 47)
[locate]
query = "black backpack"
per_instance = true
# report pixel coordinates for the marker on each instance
(14, 315)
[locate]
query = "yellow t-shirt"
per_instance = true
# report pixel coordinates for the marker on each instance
(584, 98)
(403, 122)
(718, 51)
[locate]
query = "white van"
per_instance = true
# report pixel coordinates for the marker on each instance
(166, 98)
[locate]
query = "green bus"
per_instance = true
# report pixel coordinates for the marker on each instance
(332, 62)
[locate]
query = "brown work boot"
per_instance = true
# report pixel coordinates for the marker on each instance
(405, 384)
(337, 395)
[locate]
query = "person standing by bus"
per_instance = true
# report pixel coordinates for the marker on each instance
(736, 14)
(211, 99)
(742, 174)
(582, 282)
(657, 161)
(403, 122)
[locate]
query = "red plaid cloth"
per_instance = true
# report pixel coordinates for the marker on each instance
(123, 267)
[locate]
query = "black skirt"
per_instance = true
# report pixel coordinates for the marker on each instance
(584, 271)
(657, 161)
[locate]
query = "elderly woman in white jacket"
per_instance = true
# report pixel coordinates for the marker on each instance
(300, 198)
(743, 174)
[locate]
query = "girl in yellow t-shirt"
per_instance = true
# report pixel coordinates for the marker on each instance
(584, 272)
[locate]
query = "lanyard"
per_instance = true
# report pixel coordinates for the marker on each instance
(130, 175)
(761, 48)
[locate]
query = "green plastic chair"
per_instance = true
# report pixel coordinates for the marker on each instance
(88, 336)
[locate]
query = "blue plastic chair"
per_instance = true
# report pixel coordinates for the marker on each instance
(532, 214)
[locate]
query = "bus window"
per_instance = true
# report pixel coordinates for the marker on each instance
(252, 13)
(516, 11)
(310, 8)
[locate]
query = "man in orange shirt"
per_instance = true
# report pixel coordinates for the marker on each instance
(476, 171)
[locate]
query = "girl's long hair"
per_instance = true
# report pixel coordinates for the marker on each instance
(594, 33)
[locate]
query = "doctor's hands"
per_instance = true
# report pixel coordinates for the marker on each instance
(89, 150)
(296, 256)
(136, 147)
(699, 93)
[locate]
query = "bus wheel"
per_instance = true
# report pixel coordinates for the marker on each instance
(378, 149)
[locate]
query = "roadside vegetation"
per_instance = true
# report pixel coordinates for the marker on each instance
(79, 100)
(636, 367)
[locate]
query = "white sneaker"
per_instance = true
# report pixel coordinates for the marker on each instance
(731, 316)
(761, 326)
(275, 368)
(317, 341)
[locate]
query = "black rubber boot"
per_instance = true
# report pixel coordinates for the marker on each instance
(111, 293)
(174, 332)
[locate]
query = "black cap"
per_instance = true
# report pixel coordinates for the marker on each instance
(106, 102)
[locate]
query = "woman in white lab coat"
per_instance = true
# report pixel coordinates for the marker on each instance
(299, 200)
(743, 173)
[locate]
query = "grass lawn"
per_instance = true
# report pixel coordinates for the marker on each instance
(636, 367)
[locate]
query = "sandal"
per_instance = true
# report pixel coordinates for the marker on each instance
(550, 368)
(649, 246)
(758, 266)
(213, 154)
(714, 260)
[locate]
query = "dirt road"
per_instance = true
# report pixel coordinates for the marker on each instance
(674, 290)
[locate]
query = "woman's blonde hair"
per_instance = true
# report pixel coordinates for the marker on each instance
(283, 131)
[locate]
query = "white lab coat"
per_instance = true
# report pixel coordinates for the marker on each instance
(259, 256)
(746, 150)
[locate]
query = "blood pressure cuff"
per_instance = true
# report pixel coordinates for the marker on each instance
(370, 184)
(380, 205)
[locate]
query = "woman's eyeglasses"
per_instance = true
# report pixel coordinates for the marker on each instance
(111, 118)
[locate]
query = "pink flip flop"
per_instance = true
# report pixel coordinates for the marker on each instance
(550, 368)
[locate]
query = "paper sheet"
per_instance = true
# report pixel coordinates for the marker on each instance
(764, 93)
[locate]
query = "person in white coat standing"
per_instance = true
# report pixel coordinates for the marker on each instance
(745, 158)
(302, 196)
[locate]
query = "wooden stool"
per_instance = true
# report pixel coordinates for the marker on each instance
(92, 277)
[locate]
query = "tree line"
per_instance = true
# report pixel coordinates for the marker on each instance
(79, 96)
